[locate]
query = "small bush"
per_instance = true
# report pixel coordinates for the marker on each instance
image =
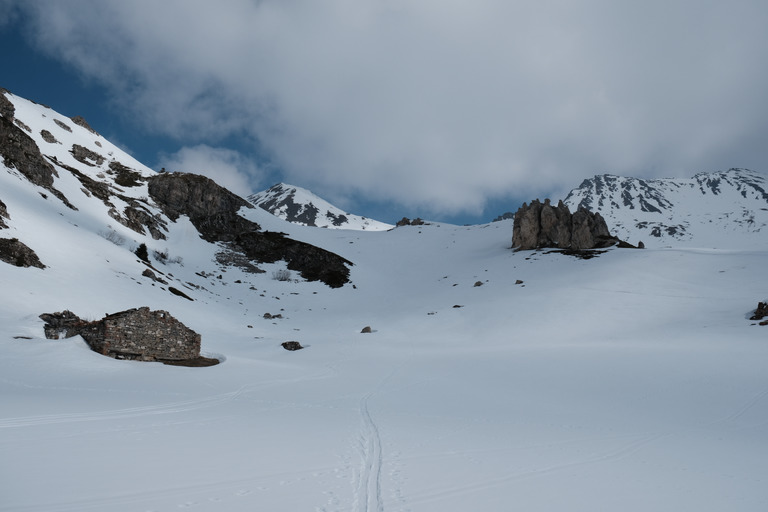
(161, 256)
(281, 275)
(112, 236)
(142, 253)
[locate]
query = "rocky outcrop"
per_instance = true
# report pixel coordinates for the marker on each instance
(80, 121)
(139, 334)
(313, 263)
(17, 253)
(19, 151)
(540, 225)
(7, 110)
(211, 208)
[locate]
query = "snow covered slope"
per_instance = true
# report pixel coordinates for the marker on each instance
(718, 209)
(491, 380)
(301, 206)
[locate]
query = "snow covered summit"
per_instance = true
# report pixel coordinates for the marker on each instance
(717, 209)
(300, 206)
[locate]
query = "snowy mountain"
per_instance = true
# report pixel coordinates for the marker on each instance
(301, 206)
(643, 388)
(711, 209)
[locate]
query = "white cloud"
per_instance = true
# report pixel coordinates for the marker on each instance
(439, 104)
(225, 166)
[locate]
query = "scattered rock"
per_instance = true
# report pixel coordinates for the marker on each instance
(63, 126)
(180, 293)
(86, 156)
(519, 281)
(405, 221)
(478, 283)
(19, 151)
(457, 306)
(292, 345)
(48, 137)
(366, 330)
(16, 253)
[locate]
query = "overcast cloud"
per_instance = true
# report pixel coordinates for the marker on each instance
(227, 167)
(435, 103)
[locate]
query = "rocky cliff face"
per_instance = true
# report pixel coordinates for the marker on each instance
(541, 225)
(211, 208)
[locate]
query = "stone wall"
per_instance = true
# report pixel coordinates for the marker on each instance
(139, 334)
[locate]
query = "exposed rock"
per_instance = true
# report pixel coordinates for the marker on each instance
(180, 293)
(478, 283)
(761, 311)
(543, 225)
(17, 253)
(504, 216)
(125, 176)
(86, 156)
(80, 121)
(48, 137)
(292, 345)
(139, 334)
(270, 316)
(211, 208)
(405, 221)
(7, 110)
(63, 126)
(135, 216)
(3, 215)
(366, 330)
(23, 126)
(313, 263)
(19, 151)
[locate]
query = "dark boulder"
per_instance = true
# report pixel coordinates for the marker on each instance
(292, 345)
(17, 253)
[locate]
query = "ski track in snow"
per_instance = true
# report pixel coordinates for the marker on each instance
(368, 492)
(170, 408)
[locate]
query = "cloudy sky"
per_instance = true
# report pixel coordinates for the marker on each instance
(451, 110)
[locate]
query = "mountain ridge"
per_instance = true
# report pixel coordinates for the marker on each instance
(301, 206)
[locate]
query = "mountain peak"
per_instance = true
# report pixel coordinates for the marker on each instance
(701, 209)
(300, 206)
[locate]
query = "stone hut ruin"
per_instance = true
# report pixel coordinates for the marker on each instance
(138, 334)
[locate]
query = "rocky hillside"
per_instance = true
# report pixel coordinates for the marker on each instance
(301, 206)
(100, 186)
(709, 209)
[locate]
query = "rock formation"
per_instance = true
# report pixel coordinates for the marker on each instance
(17, 253)
(542, 225)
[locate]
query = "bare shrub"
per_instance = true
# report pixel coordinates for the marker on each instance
(281, 275)
(112, 236)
